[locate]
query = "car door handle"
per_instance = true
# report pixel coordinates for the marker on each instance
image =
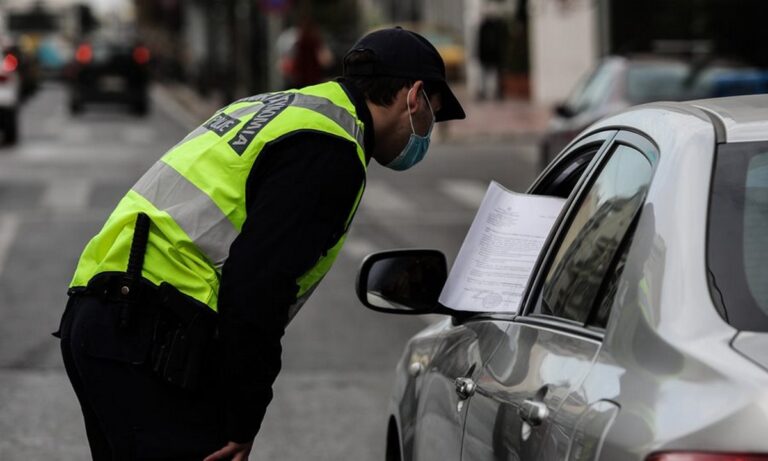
(465, 388)
(533, 412)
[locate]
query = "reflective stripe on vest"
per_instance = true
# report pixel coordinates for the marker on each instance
(314, 103)
(191, 208)
(195, 194)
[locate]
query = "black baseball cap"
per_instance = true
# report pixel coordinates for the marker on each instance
(405, 54)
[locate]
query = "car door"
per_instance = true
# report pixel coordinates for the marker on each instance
(435, 433)
(436, 430)
(518, 411)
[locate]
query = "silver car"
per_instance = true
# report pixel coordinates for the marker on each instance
(643, 332)
(618, 82)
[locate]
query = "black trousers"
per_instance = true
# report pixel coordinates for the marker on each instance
(130, 414)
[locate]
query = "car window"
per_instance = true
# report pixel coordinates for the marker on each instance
(655, 82)
(593, 89)
(680, 81)
(588, 250)
(737, 246)
(103, 52)
(562, 181)
(563, 175)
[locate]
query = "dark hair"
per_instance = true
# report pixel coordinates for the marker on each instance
(380, 90)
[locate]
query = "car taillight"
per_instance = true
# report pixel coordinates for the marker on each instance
(698, 456)
(84, 54)
(10, 63)
(141, 55)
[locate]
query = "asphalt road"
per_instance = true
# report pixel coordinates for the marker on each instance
(58, 185)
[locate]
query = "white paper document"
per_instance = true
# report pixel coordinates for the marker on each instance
(497, 257)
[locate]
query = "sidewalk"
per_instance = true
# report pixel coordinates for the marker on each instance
(507, 119)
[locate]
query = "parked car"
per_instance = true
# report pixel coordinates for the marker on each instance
(110, 71)
(619, 82)
(10, 95)
(643, 331)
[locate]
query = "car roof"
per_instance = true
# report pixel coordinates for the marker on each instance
(736, 118)
(744, 118)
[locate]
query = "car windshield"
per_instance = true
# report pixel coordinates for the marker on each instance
(738, 235)
(105, 51)
(593, 88)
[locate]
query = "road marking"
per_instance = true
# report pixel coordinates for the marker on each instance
(9, 226)
(382, 198)
(465, 191)
(81, 134)
(358, 248)
(138, 135)
(69, 194)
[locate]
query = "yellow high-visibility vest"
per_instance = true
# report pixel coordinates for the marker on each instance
(195, 194)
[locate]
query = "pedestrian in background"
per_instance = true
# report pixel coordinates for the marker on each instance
(171, 336)
(491, 39)
(312, 57)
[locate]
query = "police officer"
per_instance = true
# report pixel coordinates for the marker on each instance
(171, 336)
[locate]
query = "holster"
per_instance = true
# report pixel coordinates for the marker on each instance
(182, 329)
(183, 340)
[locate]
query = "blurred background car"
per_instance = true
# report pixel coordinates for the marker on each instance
(109, 70)
(618, 82)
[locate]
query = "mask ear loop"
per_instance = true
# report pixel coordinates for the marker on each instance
(410, 117)
(432, 125)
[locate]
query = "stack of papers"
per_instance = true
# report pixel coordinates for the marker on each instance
(495, 261)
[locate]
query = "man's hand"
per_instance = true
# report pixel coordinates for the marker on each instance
(232, 451)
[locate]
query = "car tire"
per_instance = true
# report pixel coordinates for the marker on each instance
(141, 107)
(140, 110)
(75, 107)
(11, 127)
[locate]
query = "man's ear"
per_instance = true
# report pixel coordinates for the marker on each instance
(414, 96)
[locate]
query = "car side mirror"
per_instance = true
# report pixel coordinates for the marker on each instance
(403, 281)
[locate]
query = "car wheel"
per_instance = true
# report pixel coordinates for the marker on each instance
(75, 106)
(11, 129)
(141, 107)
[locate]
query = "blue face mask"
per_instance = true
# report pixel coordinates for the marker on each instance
(417, 146)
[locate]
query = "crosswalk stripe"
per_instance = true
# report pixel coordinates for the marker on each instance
(382, 198)
(69, 194)
(468, 192)
(9, 225)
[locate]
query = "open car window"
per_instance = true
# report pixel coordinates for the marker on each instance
(560, 178)
(583, 259)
